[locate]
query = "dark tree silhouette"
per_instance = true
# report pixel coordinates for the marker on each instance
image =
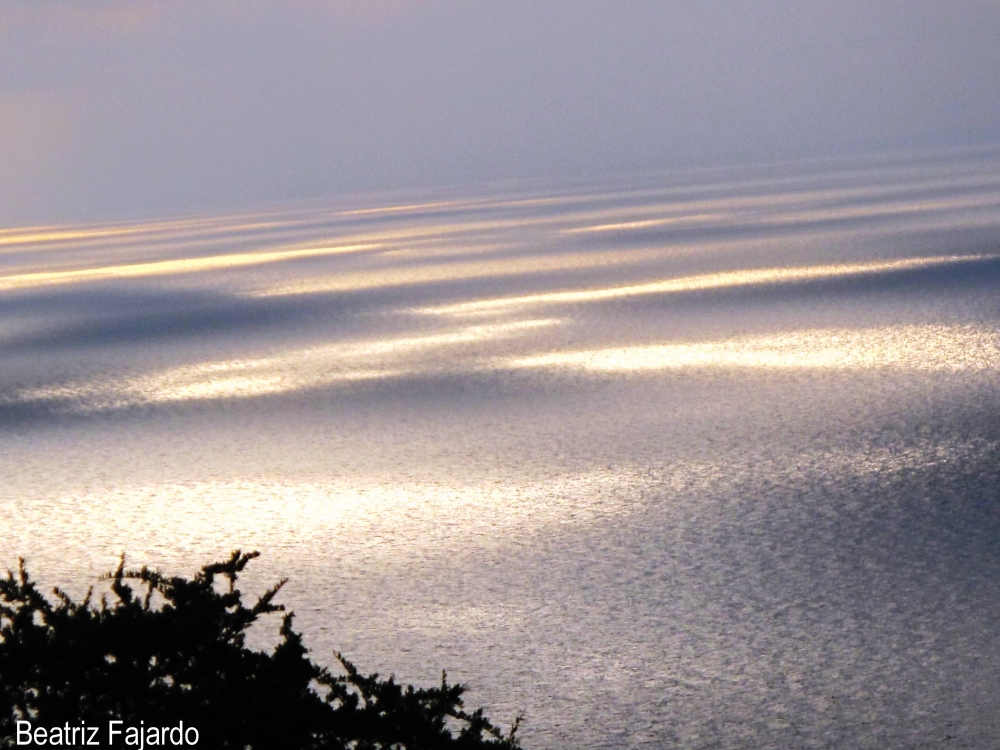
(171, 649)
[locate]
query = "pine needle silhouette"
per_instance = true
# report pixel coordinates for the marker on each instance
(169, 649)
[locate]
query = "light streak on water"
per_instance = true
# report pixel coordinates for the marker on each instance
(912, 348)
(170, 267)
(300, 369)
(742, 278)
(754, 211)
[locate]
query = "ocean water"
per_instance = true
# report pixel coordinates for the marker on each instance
(706, 459)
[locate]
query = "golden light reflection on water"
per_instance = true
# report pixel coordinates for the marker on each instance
(459, 270)
(379, 520)
(622, 226)
(172, 267)
(761, 211)
(294, 370)
(28, 238)
(518, 237)
(915, 347)
(748, 277)
(387, 520)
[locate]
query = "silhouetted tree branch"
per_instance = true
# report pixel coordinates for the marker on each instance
(169, 649)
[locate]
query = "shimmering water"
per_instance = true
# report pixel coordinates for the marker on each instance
(706, 459)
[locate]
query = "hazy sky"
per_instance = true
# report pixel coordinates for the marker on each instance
(128, 107)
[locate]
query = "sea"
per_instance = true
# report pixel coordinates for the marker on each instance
(704, 458)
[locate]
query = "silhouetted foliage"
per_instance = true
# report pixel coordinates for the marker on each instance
(172, 649)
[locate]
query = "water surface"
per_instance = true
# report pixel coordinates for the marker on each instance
(704, 459)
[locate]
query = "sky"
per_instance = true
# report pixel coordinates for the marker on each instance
(128, 108)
